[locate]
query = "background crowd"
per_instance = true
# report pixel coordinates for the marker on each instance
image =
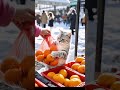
(49, 18)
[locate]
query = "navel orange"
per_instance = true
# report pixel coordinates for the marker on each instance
(81, 69)
(75, 66)
(50, 74)
(79, 59)
(38, 53)
(59, 78)
(63, 72)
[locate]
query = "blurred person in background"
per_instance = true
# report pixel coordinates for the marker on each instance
(38, 19)
(50, 19)
(64, 17)
(44, 19)
(72, 20)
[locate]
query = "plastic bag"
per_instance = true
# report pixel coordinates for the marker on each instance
(23, 45)
(47, 43)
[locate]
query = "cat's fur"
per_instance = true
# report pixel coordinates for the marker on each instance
(63, 43)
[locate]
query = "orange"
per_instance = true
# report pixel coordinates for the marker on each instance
(27, 63)
(36, 85)
(79, 59)
(13, 76)
(74, 76)
(81, 69)
(115, 86)
(38, 53)
(54, 63)
(50, 74)
(74, 82)
(50, 58)
(83, 62)
(9, 63)
(75, 66)
(40, 57)
(106, 79)
(63, 72)
(47, 52)
(59, 78)
(66, 82)
(53, 47)
(47, 62)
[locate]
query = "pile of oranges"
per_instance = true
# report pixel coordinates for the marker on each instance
(19, 73)
(63, 78)
(46, 57)
(79, 65)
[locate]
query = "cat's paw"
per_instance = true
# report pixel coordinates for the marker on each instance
(59, 54)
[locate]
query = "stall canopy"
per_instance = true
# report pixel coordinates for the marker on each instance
(54, 2)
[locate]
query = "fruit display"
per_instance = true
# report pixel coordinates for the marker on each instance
(64, 77)
(46, 56)
(19, 73)
(106, 81)
(78, 65)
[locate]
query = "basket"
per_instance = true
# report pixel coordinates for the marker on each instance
(57, 69)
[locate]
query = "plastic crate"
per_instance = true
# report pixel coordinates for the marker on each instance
(39, 83)
(69, 71)
(70, 64)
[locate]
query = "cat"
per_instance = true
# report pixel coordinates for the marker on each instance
(63, 44)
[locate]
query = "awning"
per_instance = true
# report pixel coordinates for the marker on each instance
(74, 2)
(54, 2)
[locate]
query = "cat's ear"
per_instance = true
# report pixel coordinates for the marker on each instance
(61, 31)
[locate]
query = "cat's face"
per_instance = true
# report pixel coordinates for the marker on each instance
(64, 37)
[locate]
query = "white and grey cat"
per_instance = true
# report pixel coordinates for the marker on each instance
(63, 43)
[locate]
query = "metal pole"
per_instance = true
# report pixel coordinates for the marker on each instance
(77, 26)
(100, 27)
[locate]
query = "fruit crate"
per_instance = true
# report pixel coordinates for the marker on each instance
(69, 66)
(39, 83)
(69, 71)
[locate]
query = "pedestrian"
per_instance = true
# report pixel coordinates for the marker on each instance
(51, 19)
(73, 20)
(38, 18)
(65, 19)
(44, 19)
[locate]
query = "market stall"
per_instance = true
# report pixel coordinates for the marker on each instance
(49, 74)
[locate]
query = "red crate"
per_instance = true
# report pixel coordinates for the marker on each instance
(70, 64)
(57, 69)
(39, 83)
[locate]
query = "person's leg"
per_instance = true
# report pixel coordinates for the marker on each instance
(72, 31)
(44, 25)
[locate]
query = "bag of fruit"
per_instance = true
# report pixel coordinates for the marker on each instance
(18, 67)
(44, 53)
